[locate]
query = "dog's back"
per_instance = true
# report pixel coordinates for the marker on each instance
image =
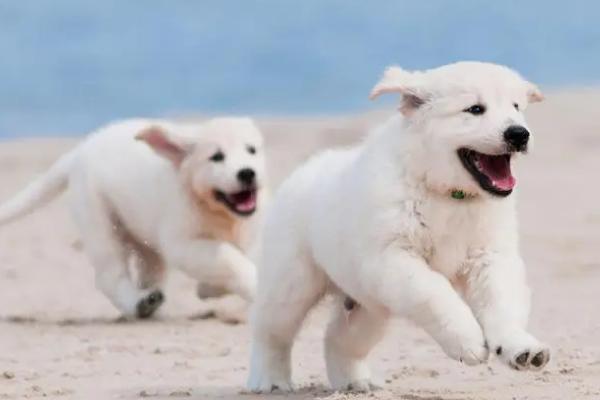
(127, 173)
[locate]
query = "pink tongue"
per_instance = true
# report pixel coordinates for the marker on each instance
(246, 201)
(497, 168)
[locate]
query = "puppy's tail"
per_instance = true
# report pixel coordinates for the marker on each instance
(40, 191)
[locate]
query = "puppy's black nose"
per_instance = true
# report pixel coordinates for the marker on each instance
(246, 176)
(517, 137)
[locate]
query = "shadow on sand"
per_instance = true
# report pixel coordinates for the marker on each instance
(88, 321)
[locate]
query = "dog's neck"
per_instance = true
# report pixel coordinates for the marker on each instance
(454, 194)
(220, 223)
(458, 194)
(211, 222)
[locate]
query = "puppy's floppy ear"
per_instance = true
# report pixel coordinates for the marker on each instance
(168, 145)
(534, 95)
(408, 84)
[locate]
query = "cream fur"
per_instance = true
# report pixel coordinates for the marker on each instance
(377, 223)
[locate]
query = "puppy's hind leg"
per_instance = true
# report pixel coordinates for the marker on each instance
(289, 287)
(109, 255)
(351, 334)
(148, 265)
(150, 269)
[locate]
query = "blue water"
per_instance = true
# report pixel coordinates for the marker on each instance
(67, 66)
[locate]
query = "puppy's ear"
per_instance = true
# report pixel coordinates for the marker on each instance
(534, 95)
(172, 147)
(408, 84)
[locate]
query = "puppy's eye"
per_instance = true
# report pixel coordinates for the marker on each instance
(217, 157)
(476, 109)
(251, 149)
(516, 106)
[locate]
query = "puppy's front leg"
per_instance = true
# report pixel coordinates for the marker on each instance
(215, 262)
(408, 287)
(498, 294)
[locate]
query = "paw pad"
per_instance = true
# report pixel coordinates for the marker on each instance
(149, 304)
(531, 360)
(538, 360)
(522, 358)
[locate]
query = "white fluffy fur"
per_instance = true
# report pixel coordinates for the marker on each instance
(142, 193)
(377, 223)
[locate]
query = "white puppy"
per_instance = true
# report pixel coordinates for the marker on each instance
(148, 193)
(416, 222)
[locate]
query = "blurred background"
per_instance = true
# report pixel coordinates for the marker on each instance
(68, 66)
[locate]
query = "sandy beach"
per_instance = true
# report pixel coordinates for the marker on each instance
(60, 338)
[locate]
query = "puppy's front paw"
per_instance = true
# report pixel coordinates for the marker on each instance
(473, 353)
(149, 304)
(465, 342)
(523, 352)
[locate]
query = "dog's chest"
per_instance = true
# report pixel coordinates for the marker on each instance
(234, 235)
(223, 228)
(451, 235)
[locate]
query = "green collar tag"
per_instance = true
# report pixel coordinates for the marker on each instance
(458, 194)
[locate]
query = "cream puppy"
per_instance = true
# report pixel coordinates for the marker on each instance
(416, 222)
(149, 193)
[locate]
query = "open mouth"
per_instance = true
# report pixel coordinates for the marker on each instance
(242, 203)
(492, 172)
